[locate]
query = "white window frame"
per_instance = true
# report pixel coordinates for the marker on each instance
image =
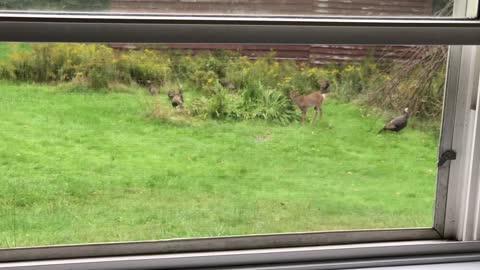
(457, 207)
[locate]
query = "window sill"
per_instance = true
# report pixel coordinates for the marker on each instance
(326, 257)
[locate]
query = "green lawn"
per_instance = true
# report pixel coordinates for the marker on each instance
(90, 167)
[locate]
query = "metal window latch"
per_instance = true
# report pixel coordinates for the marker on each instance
(446, 156)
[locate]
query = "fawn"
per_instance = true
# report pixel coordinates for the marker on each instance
(314, 100)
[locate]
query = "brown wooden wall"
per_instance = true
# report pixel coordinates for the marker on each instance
(278, 7)
(316, 54)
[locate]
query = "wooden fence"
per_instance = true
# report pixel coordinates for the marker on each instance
(315, 54)
(278, 7)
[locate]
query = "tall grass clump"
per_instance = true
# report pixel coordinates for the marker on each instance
(141, 66)
(257, 102)
(93, 66)
(201, 71)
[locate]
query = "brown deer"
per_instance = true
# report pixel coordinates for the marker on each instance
(314, 100)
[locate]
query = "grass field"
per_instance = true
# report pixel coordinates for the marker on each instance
(91, 167)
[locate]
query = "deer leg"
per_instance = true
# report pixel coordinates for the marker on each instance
(315, 114)
(304, 112)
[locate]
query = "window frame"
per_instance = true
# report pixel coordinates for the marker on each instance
(457, 122)
(80, 27)
(327, 257)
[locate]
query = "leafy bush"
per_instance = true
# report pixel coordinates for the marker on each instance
(257, 103)
(222, 105)
(144, 65)
(274, 106)
(243, 72)
(96, 64)
(62, 62)
(259, 89)
(202, 70)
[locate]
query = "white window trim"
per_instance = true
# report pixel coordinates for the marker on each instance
(458, 192)
(197, 29)
(462, 213)
(327, 257)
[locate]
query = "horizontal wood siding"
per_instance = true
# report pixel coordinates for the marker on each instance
(316, 54)
(278, 7)
(373, 7)
(246, 7)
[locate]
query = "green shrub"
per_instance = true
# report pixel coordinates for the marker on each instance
(274, 106)
(97, 64)
(202, 70)
(221, 105)
(244, 72)
(261, 86)
(62, 62)
(144, 65)
(257, 103)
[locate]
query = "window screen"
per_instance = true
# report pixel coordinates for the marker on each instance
(129, 142)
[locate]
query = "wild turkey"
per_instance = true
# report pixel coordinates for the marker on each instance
(176, 98)
(324, 86)
(226, 84)
(397, 123)
(152, 88)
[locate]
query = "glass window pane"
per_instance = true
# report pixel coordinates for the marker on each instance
(383, 8)
(122, 142)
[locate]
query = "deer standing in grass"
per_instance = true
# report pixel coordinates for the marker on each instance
(314, 100)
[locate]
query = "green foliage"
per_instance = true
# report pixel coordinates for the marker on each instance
(351, 81)
(221, 105)
(253, 103)
(258, 89)
(202, 70)
(274, 106)
(95, 65)
(387, 88)
(62, 62)
(244, 73)
(144, 65)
